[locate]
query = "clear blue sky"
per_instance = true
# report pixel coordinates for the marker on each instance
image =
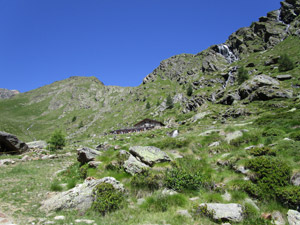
(118, 41)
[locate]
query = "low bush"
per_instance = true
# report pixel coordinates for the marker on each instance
(271, 173)
(285, 63)
(200, 211)
(146, 180)
(107, 198)
(272, 132)
(295, 135)
(83, 171)
(289, 196)
(161, 203)
(252, 137)
(242, 75)
(262, 151)
(257, 221)
(250, 211)
(252, 189)
(188, 174)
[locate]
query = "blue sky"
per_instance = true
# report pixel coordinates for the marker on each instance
(118, 41)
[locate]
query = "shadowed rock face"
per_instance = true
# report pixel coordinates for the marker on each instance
(11, 144)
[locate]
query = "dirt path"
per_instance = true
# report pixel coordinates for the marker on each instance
(5, 220)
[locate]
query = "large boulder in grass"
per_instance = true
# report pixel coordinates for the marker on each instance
(85, 154)
(133, 166)
(224, 212)
(293, 217)
(149, 154)
(10, 144)
(78, 198)
(295, 180)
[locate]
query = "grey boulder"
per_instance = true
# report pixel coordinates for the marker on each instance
(37, 145)
(132, 165)
(85, 154)
(295, 180)
(149, 154)
(293, 217)
(225, 212)
(10, 144)
(78, 198)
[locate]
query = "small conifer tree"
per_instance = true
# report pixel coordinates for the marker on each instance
(189, 90)
(56, 141)
(169, 102)
(148, 106)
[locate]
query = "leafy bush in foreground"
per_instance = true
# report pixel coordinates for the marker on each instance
(107, 198)
(271, 173)
(289, 196)
(188, 174)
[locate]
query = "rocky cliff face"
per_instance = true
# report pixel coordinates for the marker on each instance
(264, 34)
(5, 93)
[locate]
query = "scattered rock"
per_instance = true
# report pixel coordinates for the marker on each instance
(174, 133)
(103, 147)
(149, 154)
(295, 180)
(194, 199)
(183, 212)
(214, 144)
(25, 158)
(293, 217)
(140, 201)
(37, 145)
(284, 77)
(225, 212)
(226, 196)
(251, 202)
(85, 221)
(59, 218)
(168, 192)
(79, 197)
(199, 116)
(6, 162)
(85, 154)
(94, 164)
(231, 136)
(278, 218)
(10, 144)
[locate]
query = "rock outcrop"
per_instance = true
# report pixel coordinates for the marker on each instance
(85, 155)
(225, 212)
(149, 154)
(10, 144)
(78, 198)
(6, 94)
(293, 217)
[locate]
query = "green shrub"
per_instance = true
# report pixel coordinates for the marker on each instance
(252, 189)
(250, 211)
(200, 211)
(161, 203)
(189, 90)
(188, 174)
(74, 119)
(242, 75)
(146, 180)
(272, 132)
(271, 173)
(83, 171)
(285, 63)
(71, 183)
(169, 102)
(56, 141)
(257, 221)
(107, 198)
(260, 151)
(289, 196)
(55, 186)
(148, 106)
(295, 135)
(252, 137)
